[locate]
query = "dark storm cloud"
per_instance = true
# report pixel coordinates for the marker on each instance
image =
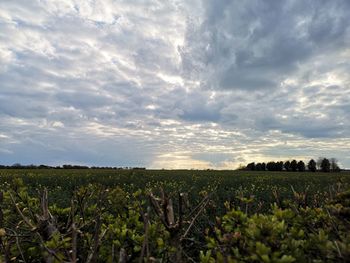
(257, 44)
(305, 126)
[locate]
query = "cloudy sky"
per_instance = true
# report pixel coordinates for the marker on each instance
(174, 84)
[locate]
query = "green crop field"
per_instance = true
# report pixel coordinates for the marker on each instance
(224, 185)
(108, 215)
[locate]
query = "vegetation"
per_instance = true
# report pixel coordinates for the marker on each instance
(64, 166)
(311, 165)
(294, 233)
(324, 165)
(62, 215)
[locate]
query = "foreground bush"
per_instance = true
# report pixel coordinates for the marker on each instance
(111, 225)
(292, 234)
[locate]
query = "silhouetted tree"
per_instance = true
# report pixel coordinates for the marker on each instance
(17, 165)
(279, 166)
(251, 167)
(294, 165)
(258, 167)
(334, 165)
(325, 165)
(242, 167)
(271, 166)
(301, 166)
(287, 165)
(263, 167)
(311, 166)
(319, 162)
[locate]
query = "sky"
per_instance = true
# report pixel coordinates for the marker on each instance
(174, 84)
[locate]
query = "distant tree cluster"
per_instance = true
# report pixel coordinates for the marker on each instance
(322, 164)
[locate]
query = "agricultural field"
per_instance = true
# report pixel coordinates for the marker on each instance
(99, 215)
(223, 185)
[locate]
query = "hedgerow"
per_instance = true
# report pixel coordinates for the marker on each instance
(111, 224)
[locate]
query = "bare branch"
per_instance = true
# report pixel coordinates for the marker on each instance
(195, 217)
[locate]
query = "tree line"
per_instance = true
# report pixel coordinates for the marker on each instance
(322, 164)
(66, 166)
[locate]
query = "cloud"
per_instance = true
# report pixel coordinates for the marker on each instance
(257, 45)
(173, 84)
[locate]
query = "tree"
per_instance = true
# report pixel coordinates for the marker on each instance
(294, 165)
(240, 167)
(263, 166)
(319, 162)
(287, 165)
(258, 167)
(251, 167)
(17, 166)
(325, 165)
(279, 166)
(301, 166)
(271, 166)
(311, 166)
(334, 165)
